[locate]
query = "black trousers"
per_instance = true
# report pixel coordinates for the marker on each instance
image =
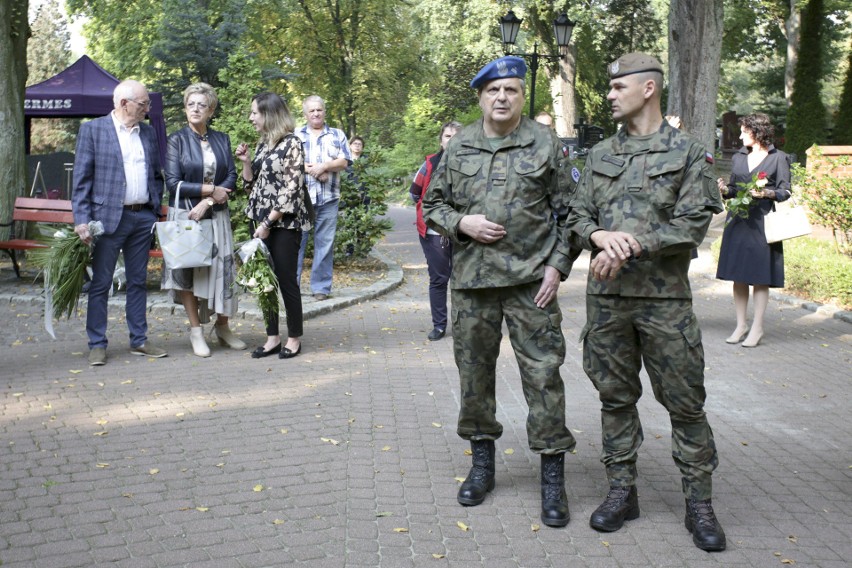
(283, 245)
(439, 258)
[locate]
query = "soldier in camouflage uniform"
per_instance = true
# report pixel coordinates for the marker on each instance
(644, 202)
(501, 193)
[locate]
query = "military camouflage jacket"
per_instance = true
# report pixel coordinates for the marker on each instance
(660, 189)
(523, 186)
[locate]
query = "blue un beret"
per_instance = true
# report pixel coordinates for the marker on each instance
(503, 68)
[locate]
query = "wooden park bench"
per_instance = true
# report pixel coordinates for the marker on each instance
(44, 211)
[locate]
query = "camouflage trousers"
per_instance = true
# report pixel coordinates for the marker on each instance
(620, 335)
(536, 336)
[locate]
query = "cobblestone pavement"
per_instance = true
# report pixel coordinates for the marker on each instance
(347, 455)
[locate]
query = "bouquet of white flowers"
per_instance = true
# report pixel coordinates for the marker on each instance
(256, 276)
(63, 262)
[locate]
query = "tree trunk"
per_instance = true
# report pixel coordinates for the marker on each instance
(562, 91)
(695, 53)
(14, 32)
(791, 30)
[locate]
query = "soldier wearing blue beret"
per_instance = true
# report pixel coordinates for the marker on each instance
(501, 192)
(503, 68)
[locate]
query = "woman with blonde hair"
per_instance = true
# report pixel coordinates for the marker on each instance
(277, 208)
(200, 167)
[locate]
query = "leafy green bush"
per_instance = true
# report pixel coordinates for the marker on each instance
(362, 204)
(828, 197)
(815, 270)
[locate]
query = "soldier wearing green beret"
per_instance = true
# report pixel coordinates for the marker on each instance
(501, 192)
(644, 202)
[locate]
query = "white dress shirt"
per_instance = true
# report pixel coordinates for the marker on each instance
(133, 156)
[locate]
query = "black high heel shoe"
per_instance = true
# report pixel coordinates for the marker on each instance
(260, 353)
(287, 354)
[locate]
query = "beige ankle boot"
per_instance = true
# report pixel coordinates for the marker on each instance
(227, 338)
(199, 346)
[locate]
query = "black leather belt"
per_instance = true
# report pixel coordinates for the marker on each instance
(137, 206)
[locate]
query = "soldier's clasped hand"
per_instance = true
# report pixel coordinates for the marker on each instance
(481, 229)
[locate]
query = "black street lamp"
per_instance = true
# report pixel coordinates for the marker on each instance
(510, 25)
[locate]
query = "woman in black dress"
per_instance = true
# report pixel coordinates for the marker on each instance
(745, 257)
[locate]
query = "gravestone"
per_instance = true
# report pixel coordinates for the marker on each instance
(731, 142)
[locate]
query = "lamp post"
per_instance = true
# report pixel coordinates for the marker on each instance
(510, 25)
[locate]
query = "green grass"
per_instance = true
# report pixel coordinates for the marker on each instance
(813, 269)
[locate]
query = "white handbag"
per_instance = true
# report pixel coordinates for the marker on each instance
(786, 221)
(185, 243)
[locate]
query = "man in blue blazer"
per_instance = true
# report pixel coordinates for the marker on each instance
(118, 181)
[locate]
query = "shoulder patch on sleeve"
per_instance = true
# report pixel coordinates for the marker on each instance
(575, 174)
(708, 157)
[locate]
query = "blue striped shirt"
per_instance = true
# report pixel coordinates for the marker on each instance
(329, 145)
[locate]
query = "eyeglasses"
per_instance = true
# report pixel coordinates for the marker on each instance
(143, 104)
(199, 106)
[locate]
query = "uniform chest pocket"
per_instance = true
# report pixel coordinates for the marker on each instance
(464, 175)
(665, 179)
(530, 173)
(606, 177)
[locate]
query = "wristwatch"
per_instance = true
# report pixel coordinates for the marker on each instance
(210, 202)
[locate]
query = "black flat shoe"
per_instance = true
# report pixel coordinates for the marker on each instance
(260, 353)
(287, 354)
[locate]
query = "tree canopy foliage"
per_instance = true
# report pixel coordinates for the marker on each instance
(393, 71)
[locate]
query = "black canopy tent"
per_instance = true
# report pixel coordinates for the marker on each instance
(84, 90)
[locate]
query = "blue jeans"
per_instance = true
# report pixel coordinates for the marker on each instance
(133, 236)
(324, 230)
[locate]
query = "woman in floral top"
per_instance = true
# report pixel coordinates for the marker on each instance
(276, 205)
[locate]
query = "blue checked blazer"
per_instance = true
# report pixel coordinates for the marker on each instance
(99, 181)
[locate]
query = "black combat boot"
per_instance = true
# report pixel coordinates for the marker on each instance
(480, 480)
(554, 500)
(707, 533)
(621, 504)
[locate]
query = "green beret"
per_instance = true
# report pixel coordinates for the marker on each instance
(633, 63)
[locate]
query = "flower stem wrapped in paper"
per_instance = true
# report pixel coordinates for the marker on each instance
(256, 276)
(739, 206)
(64, 261)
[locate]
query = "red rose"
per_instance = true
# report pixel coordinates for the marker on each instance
(761, 175)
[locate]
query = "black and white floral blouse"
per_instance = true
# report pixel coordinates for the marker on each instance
(279, 176)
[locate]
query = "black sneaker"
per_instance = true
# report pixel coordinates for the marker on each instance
(436, 334)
